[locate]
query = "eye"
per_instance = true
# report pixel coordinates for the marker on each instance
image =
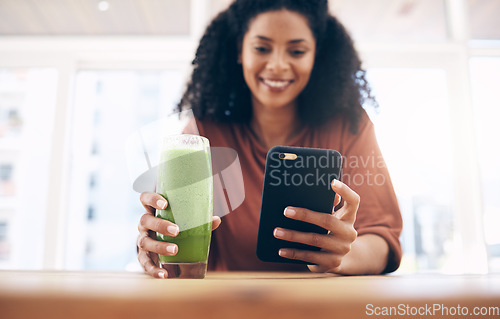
(297, 52)
(260, 49)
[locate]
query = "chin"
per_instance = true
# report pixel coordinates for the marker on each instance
(277, 106)
(277, 103)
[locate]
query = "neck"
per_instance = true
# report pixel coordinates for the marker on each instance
(275, 126)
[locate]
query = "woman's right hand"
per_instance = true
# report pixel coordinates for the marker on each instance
(148, 247)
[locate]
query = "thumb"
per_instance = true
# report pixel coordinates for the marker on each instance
(351, 201)
(216, 221)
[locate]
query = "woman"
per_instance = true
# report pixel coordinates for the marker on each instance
(284, 72)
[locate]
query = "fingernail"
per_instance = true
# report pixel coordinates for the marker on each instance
(161, 274)
(289, 212)
(283, 252)
(172, 249)
(173, 229)
(335, 183)
(161, 203)
(279, 233)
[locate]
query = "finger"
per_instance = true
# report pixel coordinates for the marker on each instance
(326, 242)
(351, 200)
(349, 196)
(150, 201)
(216, 221)
(325, 268)
(337, 200)
(150, 267)
(324, 220)
(313, 257)
(160, 225)
(159, 247)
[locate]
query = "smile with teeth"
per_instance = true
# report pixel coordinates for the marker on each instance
(276, 83)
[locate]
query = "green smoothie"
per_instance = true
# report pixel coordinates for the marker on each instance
(185, 180)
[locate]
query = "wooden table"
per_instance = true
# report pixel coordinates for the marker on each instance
(93, 295)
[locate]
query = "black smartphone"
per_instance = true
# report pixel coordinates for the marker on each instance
(299, 177)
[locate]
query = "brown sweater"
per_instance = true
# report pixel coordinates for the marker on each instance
(234, 242)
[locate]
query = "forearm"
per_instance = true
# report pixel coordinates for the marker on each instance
(369, 254)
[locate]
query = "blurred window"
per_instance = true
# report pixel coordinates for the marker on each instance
(104, 210)
(413, 130)
(485, 77)
(27, 104)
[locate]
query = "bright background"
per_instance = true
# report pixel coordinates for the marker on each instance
(77, 78)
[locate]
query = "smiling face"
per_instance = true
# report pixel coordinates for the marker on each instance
(277, 56)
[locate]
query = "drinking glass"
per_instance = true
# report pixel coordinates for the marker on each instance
(185, 180)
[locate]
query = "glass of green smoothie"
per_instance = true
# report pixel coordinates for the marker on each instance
(185, 180)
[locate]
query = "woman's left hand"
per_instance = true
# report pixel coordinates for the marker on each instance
(334, 245)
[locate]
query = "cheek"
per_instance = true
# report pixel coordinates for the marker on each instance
(251, 64)
(306, 69)
(248, 74)
(251, 70)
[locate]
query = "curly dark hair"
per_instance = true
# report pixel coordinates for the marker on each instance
(217, 89)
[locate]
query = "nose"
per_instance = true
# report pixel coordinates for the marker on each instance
(278, 62)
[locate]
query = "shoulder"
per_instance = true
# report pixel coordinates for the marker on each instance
(209, 126)
(336, 132)
(220, 133)
(205, 126)
(341, 124)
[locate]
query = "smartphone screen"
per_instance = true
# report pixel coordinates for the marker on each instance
(299, 177)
